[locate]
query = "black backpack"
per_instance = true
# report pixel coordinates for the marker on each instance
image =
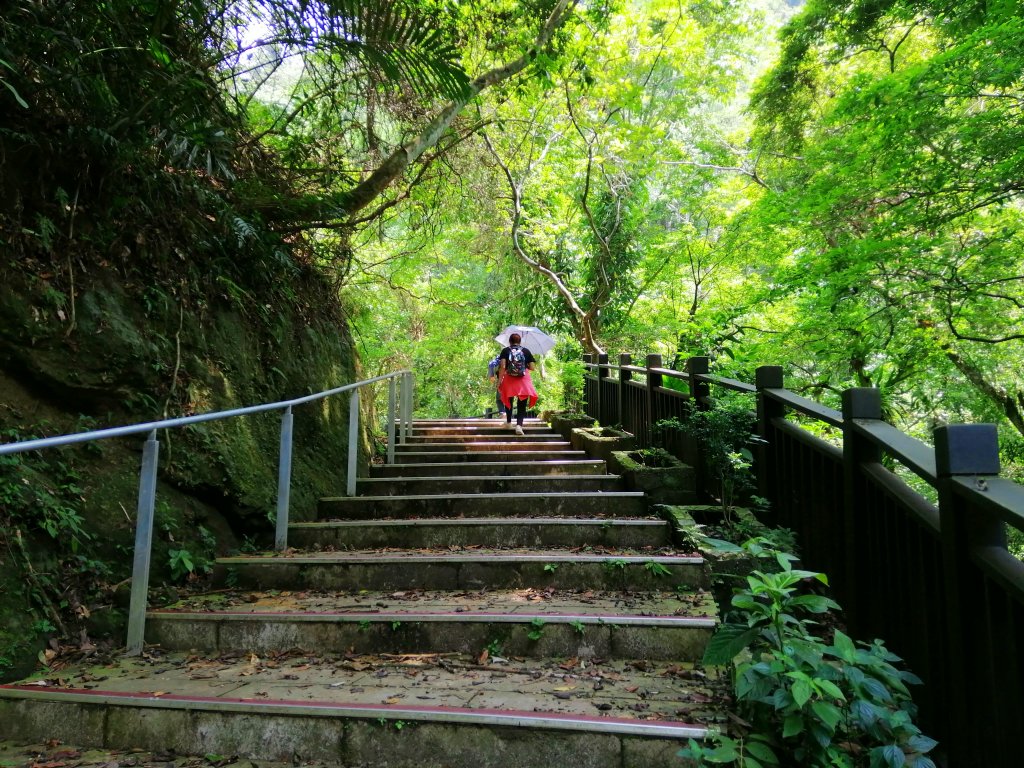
(515, 366)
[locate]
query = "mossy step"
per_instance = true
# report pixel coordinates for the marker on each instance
(552, 504)
(400, 711)
(474, 568)
(499, 467)
(521, 623)
(482, 531)
(494, 484)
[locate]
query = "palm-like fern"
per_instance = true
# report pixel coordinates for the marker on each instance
(393, 40)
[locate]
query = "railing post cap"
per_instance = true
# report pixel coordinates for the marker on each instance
(862, 403)
(768, 377)
(967, 449)
(654, 361)
(625, 358)
(698, 364)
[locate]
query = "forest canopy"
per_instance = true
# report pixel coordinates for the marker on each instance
(833, 187)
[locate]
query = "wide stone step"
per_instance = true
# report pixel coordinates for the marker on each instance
(470, 569)
(491, 454)
(490, 468)
(500, 436)
(507, 443)
(518, 623)
(493, 427)
(400, 711)
(482, 531)
(428, 423)
(464, 484)
(611, 503)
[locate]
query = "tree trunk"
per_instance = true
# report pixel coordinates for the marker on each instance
(1012, 404)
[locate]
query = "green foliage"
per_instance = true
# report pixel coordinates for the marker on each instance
(804, 699)
(657, 569)
(723, 433)
(536, 629)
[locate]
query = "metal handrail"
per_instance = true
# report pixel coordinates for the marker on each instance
(399, 420)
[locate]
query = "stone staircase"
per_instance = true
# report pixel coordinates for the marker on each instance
(487, 600)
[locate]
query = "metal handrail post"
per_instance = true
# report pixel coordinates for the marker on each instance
(353, 442)
(391, 420)
(284, 481)
(412, 402)
(406, 400)
(143, 545)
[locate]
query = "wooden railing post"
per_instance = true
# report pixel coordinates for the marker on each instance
(699, 390)
(651, 413)
(624, 376)
(694, 450)
(858, 403)
(767, 377)
(602, 401)
(588, 399)
(965, 449)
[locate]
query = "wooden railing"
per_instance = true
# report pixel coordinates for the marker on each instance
(933, 579)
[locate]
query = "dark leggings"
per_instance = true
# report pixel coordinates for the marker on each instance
(520, 410)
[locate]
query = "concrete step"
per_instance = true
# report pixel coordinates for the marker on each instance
(490, 455)
(485, 531)
(490, 485)
(612, 504)
(507, 443)
(491, 468)
(499, 436)
(428, 423)
(518, 623)
(399, 711)
(469, 569)
(493, 427)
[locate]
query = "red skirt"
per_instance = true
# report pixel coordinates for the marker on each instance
(517, 386)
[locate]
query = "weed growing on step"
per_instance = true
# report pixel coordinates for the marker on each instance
(396, 625)
(801, 700)
(537, 629)
(550, 567)
(364, 625)
(577, 626)
(657, 569)
(494, 648)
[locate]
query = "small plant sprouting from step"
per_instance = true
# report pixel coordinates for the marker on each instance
(615, 566)
(396, 625)
(550, 567)
(538, 629)
(657, 569)
(577, 625)
(364, 625)
(495, 648)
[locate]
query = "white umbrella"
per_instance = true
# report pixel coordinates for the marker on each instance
(534, 339)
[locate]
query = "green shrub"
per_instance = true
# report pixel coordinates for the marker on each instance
(802, 700)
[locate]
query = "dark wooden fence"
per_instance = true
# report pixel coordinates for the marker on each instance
(933, 579)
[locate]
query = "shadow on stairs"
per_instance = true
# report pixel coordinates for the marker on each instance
(487, 600)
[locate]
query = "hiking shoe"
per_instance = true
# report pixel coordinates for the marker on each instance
(519, 430)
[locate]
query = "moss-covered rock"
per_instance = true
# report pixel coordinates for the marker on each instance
(599, 442)
(661, 476)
